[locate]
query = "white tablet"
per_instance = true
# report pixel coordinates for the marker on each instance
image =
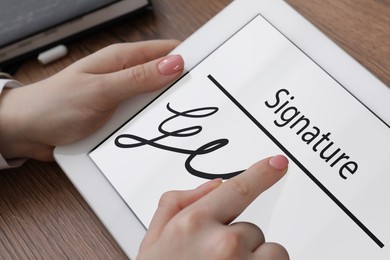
(259, 81)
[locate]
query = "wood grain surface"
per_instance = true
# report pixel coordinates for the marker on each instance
(42, 215)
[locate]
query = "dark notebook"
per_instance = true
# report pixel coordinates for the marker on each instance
(29, 25)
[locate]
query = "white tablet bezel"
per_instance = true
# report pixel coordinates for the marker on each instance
(96, 189)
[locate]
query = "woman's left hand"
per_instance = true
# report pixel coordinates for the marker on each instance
(76, 101)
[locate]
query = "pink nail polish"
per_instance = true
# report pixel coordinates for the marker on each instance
(279, 162)
(171, 65)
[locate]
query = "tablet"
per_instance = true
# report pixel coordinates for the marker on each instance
(259, 80)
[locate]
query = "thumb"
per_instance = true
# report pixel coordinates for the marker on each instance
(170, 204)
(147, 77)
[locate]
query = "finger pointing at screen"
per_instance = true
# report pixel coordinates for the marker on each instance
(197, 224)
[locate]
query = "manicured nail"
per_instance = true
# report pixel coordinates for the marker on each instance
(215, 182)
(171, 64)
(279, 162)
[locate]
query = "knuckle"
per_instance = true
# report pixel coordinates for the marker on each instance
(240, 187)
(190, 222)
(138, 75)
(254, 227)
(228, 245)
(278, 251)
(114, 50)
(168, 198)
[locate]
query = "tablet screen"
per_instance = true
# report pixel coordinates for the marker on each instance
(255, 96)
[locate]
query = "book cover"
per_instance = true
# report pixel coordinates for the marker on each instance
(23, 18)
(30, 27)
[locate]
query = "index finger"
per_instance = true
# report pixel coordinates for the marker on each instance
(232, 197)
(125, 55)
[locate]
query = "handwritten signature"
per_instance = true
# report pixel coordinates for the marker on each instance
(122, 141)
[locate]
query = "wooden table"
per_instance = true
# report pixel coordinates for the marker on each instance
(41, 213)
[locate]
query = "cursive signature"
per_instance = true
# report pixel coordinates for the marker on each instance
(183, 132)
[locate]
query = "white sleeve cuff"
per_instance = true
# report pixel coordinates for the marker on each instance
(9, 83)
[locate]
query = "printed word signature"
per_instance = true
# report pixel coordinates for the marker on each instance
(310, 134)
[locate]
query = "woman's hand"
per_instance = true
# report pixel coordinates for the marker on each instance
(76, 101)
(196, 224)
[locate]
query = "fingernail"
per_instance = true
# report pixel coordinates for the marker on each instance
(171, 64)
(279, 162)
(215, 182)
